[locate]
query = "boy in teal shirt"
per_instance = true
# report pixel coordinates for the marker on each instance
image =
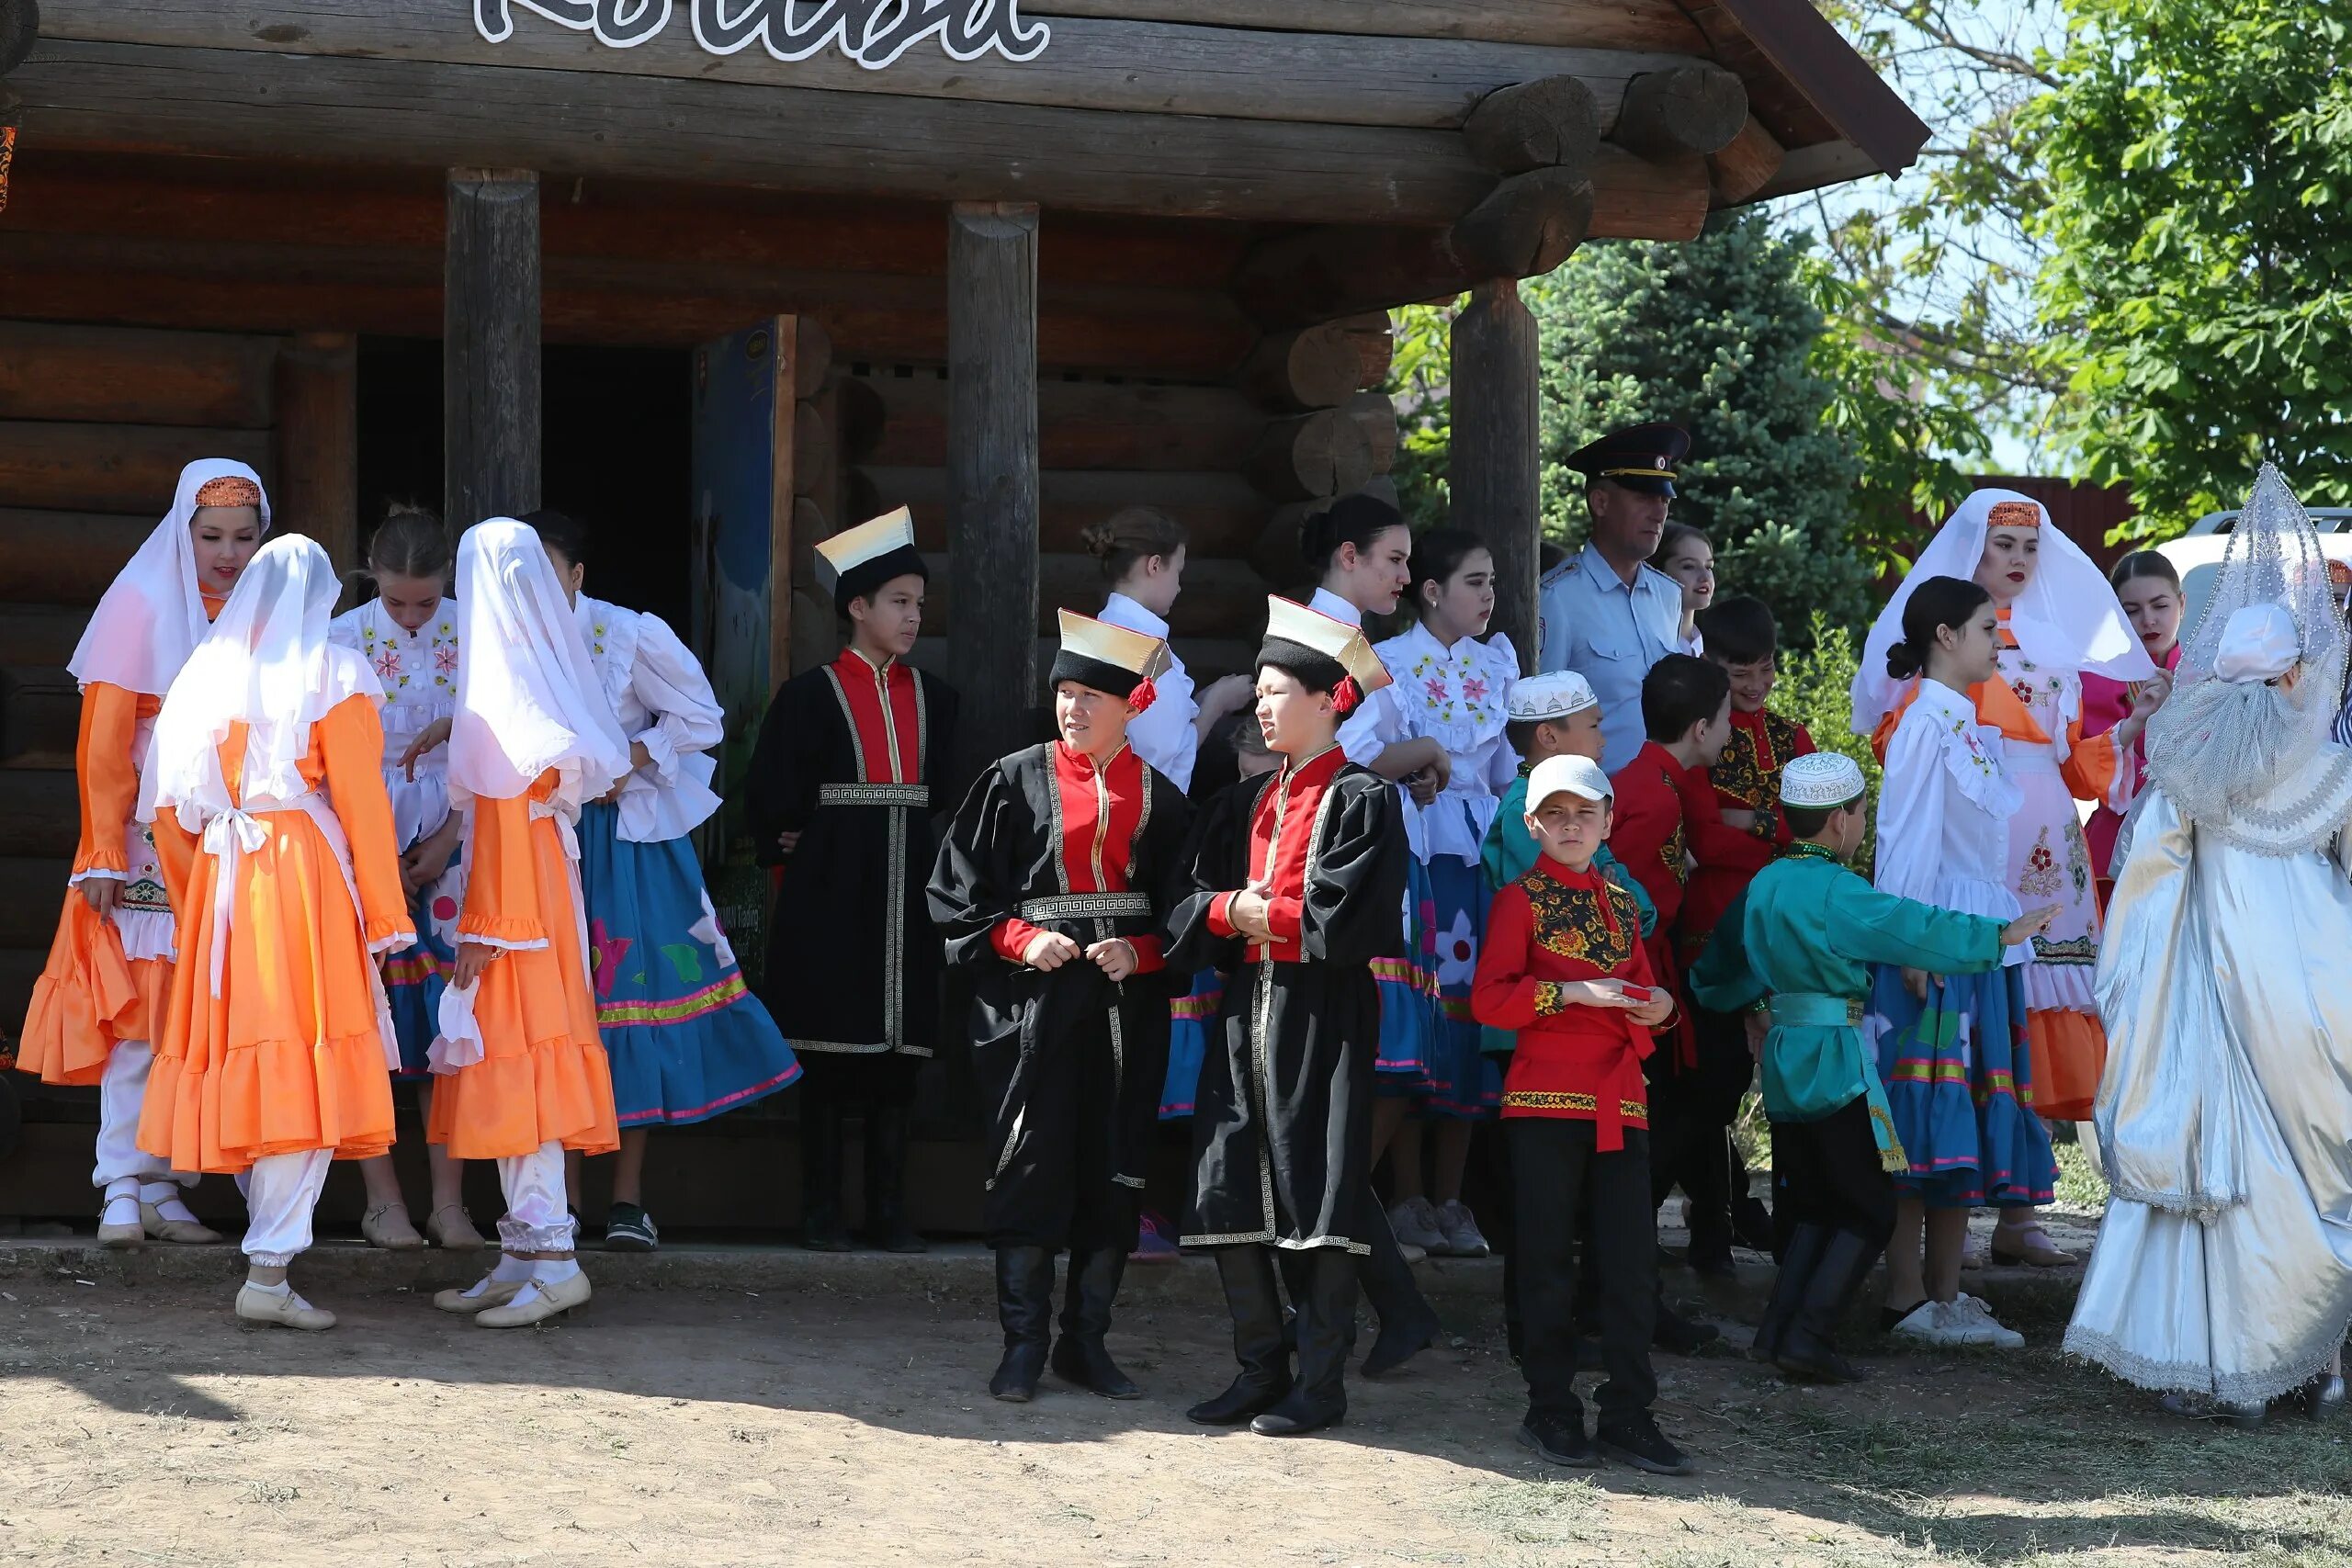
(1549, 715)
(1801, 939)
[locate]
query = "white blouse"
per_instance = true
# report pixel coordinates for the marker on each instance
(663, 698)
(419, 670)
(1460, 697)
(1163, 734)
(1944, 810)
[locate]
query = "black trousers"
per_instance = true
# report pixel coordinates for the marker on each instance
(1691, 1113)
(1058, 1190)
(1827, 1173)
(859, 1079)
(1554, 1168)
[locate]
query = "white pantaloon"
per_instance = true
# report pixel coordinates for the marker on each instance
(537, 1219)
(122, 1090)
(280, 1192)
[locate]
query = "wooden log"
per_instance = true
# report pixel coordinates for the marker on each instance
(1494, 471)
(134, 377)
(1382, 488)
(1550, 123)
(65, 558)
(1375, 420)
(318, 442)
(490, 379)
(1221, 598)
(1084, 423)
(992, 469)
(37, 637)
(128, 468)
(812, 451)
(19, 24)
(1221, 512)
(30, 890)
(40, 716)
(1641, 24)
(1698, 107)
(812, 358)
(1310, 455)
(1641, 198)
(1276, 557)
(864, 416)
(229, 102)
(1745, 165)
(1529, 225)
(1314, 368)
(1285, 70)
(41, 814)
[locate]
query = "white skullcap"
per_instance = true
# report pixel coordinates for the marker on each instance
(1568, 775)
(1821, 779)
(2259, 643)
(1556, 695)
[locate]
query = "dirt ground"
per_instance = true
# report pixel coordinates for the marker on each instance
(143, 1425)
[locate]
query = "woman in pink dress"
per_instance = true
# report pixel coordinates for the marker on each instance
(2149, 589)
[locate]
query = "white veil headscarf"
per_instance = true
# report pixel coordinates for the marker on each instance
(153, 614)
(266, 663)
(2067, 618)
(528, 698)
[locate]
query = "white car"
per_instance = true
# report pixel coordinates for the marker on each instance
(2196, 554)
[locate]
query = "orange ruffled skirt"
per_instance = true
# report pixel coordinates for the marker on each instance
(2069, 1052)
(543, 1078)
(290, 1057)
(88, 997)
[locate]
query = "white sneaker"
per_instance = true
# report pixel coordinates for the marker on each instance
(1924, 1324)
(2003, 1337)
(1416, 1225)
(1463, 1237)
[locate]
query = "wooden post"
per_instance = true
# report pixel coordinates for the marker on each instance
(490, 347)
(993, 470)
(1495, 470)
(318, 442)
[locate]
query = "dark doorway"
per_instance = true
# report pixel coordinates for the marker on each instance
(618, 442)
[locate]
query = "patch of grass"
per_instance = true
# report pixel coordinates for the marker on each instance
(2080, 1189)
(1537, 1513)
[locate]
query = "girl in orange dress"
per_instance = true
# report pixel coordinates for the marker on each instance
(522, 1073)
(101, 997)
(267, 791)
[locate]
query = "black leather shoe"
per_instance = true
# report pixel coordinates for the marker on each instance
(1298, 1414)
(1559, 1440)
(1408, 1324)
(886, 1181)
(1638, 1442)
(1325, 1317)
(1025, 1307)
(1806, 1243)
(1400, 1343)
(1248, 1274)
(820, 1177)
(1807, 1352)
(1246, 1396)
(1079, 1355)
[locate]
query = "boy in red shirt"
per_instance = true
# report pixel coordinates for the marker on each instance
(1564, 966)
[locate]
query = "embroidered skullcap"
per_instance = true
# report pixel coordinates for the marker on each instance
(2013, 515)
(229, 490)
(1556, 695)
(1821, 780)
(2257, 644)
(1566, 775)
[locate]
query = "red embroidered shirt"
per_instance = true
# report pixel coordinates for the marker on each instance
(1281, 830)
(1101, 812)
(885, 721)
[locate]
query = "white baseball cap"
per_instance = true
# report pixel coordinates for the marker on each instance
(1573, 775)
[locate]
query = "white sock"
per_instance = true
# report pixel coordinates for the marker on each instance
(511, 1269)
(549, 1270)
(122, 1208)
(165, 1196)
(283, 1288)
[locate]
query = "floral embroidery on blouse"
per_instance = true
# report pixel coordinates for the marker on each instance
(1453, 687)
(1570, 921)
(386, 649)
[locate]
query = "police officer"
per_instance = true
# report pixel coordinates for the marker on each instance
(1605, 613)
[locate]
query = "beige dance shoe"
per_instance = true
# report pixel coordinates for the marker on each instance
(257, 1305)
(128, 1236)
(186, 1233)
(386, 1227)
(498, 1294)
(551, 1299)
(452, 1229)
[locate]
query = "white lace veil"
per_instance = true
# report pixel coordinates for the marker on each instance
(2218, 746)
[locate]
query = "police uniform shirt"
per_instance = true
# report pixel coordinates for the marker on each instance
(1610, 633)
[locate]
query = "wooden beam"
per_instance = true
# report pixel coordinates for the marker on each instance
(1495, 470)
(1534, 125)
(41, 812)
(130, 468)
(1528, 224)
(67, 557)
(1287, 71)
(318, 444)
(1082, 424)
(1691, 108)
(1375, 347)
(993, 470)
(1223, 512)
(1375, 420)
(491, 394)
(1225, 598)
(134, 377)
(1315, 368)
(231, 103)
(1310, 455)
(1601, 24)
(19, 24)
(1745, 165)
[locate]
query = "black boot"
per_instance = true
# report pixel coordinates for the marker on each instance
(1079, 1355)
(1801, 1257)
(886, 1181)
(1808, 1349)
(1248, 1274)
(1408, 1324)
(1319, 1398)
(821, 1175)
(1025, 1305)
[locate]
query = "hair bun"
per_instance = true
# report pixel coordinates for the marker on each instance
(1099, 539)
(1317, 537)
(1902, 663)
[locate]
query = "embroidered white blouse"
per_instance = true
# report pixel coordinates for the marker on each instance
(1163, 734)
(419, 670)
(663, 698)
(1944, 810)
(1460, 697)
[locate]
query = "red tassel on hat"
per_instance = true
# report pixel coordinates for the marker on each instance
(1143, 696)
(1347, 697)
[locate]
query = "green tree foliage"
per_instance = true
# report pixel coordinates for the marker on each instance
(1815, 689)
(2197, 157)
